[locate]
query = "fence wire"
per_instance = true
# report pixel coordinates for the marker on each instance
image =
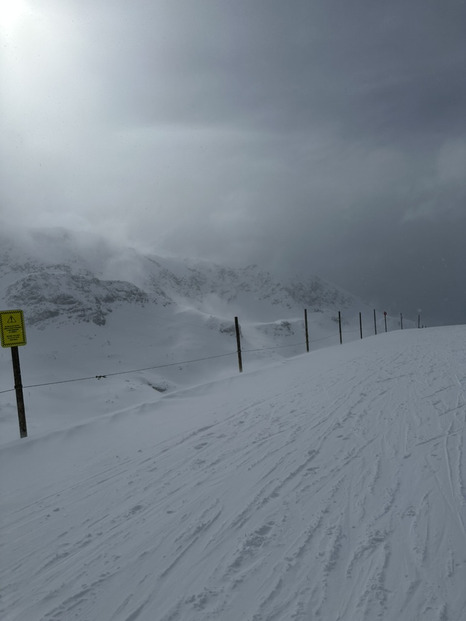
(176, 363)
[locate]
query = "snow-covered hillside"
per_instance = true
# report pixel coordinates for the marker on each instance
(329, 486)
(96, 309)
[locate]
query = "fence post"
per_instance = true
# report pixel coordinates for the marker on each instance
(385, 319)
(339, 327)
(419, 320)
(23, 432)
(360, 324)
(401, 321)
(306, 329)
(238, 344)
(375, 323)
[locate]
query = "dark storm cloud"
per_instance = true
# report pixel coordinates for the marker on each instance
(325, 136)
(358, 66)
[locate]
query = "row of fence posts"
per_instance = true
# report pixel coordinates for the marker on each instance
(306, 329)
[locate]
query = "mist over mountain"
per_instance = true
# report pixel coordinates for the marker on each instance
(59, 276)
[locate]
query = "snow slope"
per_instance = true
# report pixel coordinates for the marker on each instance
(328, 486)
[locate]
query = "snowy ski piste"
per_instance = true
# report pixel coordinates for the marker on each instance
(327, 486)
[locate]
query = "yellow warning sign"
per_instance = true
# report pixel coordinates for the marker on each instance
(12, 328)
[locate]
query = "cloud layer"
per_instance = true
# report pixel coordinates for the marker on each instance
(327, 137)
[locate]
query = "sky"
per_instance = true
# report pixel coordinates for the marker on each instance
(311, 137)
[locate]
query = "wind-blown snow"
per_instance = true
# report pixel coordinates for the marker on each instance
(329, 486)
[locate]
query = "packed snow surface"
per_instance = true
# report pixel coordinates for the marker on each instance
(328, 486)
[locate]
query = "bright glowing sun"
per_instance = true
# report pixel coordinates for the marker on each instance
(11, 12)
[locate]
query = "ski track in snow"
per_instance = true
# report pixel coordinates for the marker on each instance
(337, 497)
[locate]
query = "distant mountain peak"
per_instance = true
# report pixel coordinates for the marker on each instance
(57, 275)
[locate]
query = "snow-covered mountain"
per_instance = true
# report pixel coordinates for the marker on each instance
(62, 276)
(142, 309)
(93, 309)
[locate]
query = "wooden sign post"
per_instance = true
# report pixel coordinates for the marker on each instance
(13, 334)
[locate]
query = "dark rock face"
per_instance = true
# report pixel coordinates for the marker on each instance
(54, 291)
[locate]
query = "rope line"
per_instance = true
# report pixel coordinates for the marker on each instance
(172, 364)
(158, 366)
(104, 376)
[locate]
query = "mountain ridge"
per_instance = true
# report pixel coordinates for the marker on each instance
(57, 275)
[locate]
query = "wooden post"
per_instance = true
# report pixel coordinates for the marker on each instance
(375, 323)
(360, 324)
(238, 343)
(306, 329)
(385, 319)
(401, 321)
(23, 432)
(339, 327)
(419, 321)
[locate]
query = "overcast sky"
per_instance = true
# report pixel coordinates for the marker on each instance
(318, 136)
